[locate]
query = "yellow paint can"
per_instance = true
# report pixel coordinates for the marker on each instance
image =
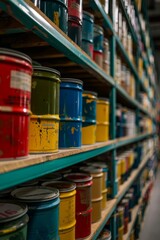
(89, 134)
(67, 220)
(102, 110)
(102, 132)
(120, 233)
(96, 209)
(119, 168)
(43, 133)
(104, 198)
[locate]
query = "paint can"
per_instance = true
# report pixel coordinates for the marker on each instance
(104, 198)
(67, 218)
(98, 58)
(106, 56)
(6, 194)
(43, 211)
(83, 202)
(120, 233)
(97, 175)
(43, 133)
(75, 30)
(87, 33)
(50, 177)
(120, 216)
(102, 130)
(45, 91)
(29, 183)
(70, 117)
(75, 9)
(57, 11)
(98, 38)
(132, 235)
(89, 117)
(15, 84)
(13, 220)
(14, 131)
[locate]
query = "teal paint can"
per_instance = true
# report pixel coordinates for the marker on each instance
(43, 211)
(57, 11)
(13, 220)
(87, 33)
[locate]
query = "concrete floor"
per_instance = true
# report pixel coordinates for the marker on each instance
(151, 226)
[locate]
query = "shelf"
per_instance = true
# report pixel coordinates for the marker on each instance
(131, 29)
(112, 204)
(135, 213)
(34, 166)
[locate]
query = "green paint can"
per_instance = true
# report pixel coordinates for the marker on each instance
(45, 91)
(13, 221)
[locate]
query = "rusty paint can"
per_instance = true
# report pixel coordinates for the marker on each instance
(70, 117)
(15, 84)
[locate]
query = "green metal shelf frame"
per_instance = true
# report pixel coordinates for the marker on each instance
(27, 173)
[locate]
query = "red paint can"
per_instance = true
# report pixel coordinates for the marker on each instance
(14, 124)
(83, 203)
(75, 9)
(98, 58)
(15, 79)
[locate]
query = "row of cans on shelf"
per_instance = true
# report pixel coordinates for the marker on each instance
(80, 27)
(84, 118)
(124, 77)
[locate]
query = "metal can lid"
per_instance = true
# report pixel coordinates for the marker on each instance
(88, 14)
(99, 164)
(11, 210)
(72, 80)
(13, 53)
(46, 69)
(35, 194)
(92, 169)
(62, 186)
(29, 183)
(51, 176)
(90, 92)
(78, 177)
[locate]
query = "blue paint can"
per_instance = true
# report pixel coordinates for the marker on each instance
(87, 33)
(70, 113)
(89, 117)
(98, 38)
(43, 211)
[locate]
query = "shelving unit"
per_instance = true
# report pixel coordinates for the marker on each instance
(25, 28)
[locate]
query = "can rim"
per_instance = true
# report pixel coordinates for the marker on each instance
(49, 196)
(71, 185)
(92, 169)
(72, 80)
(103, 99)
(22, 205)
(42, 68)
(88, 178)
(90, 92)
(88, 14)
(8, 109)
(14, 53)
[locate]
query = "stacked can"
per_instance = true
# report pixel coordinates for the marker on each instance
(83, 203)
(75, 21)
(106, 56)
(89, 117)
(132, 235)
(15, 95)
(120, 222)
(70, 117)
(13, 220)
(98, 45)
(129, 196)
(87, 33)
(102, 129)
(67, 219)
(104, 167)
(44, 123)
(97, 176)
(57, 11)
(43, 211)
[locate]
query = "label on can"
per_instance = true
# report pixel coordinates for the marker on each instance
(56, 18)
(20, 80)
